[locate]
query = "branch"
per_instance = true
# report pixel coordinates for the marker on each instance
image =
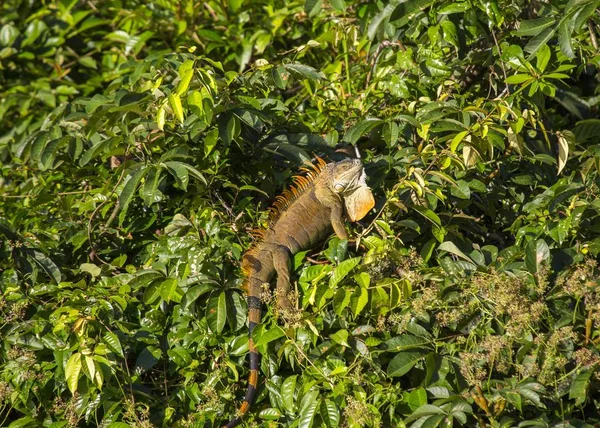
(380, 48)
(592, 34)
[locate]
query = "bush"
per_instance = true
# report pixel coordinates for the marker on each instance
(141, 143)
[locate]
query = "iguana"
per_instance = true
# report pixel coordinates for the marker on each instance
(300, 218)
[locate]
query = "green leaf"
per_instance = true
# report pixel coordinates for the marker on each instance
(160, 117)
(270, 414)
(287, 390)
(355, 132)
(390, 133)
(416, 398)
(518, 78)
(308, 407)
(330, 414)
(538, 41)
(363, 279)
(194, 293)
(403, 362)
(534, 27)
(216, 312)
(426, 410)
(304, 71)
(169, 290)
(34, 30)
(342, 270)
(381, 19)
(340, 337)
(339, 5)
(528, 390)
(210, 141)
(270, 335)
(542, 57)
(312, 7)
(427, 250)
(186, 72)
(229, 127)
(46, 264)
(90, 268)
(359, 300)
(24, 422)
(579, 387)
(428, 214)
(8, 34)
(536, 253)
(148, 358)
(48, 155)
(341, 300)
(175, 102)
(113, 342)
(405, 342)
(149, 191)
(131, 185)
(452, 248)
(72, 371)
(280, 76)
(179, 172)
(89, 367)
(586, 130)
(178, 168)
(457, 140)
(565, 41)
(450, 33)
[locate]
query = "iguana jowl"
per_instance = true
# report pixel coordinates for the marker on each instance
(300, 218)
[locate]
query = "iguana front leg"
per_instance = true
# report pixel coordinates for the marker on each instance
(337, 221)
(282, 263)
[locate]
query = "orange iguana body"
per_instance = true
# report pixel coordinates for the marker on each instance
(300, 219)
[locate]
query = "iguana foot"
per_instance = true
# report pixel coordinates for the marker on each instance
(284, 303)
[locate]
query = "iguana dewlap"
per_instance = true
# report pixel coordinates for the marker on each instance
(300, 219)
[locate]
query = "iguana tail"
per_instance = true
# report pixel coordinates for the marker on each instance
(256, 275)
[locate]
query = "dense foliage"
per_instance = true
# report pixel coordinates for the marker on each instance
(140, 142)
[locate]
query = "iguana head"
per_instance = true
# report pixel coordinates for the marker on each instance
(350, 182)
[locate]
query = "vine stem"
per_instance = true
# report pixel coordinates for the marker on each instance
(111, 218)
(380, 48)
(347, 65)
(593, 38)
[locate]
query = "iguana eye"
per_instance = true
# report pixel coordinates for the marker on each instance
(338, 187)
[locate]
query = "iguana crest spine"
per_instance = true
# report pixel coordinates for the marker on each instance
(300, 217)
(288, 196)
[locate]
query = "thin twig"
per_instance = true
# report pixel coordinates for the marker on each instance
(211, 11)
(317, 262)
(89, 227)
(501, 62)
(113, 214)
(380, 48)
(592, 34)
(92, 5)
(224, 204)
(31, 195)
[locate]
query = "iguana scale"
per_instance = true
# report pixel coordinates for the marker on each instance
(300, 218)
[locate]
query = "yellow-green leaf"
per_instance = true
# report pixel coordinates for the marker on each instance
(563, 151)
(90, 367)
(457, 139)
(175, 102)
(160, 118)
(186, 72)
(72, 371)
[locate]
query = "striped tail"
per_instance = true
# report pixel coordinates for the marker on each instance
(253, 298)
